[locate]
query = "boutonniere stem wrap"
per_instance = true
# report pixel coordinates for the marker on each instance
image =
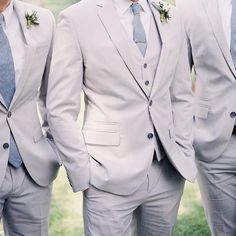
(164, 10)
(31, 18)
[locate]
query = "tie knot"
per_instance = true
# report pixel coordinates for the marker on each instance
(136, 8)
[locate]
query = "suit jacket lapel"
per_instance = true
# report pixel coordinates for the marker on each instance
(30, 50)
(212, 10)
(125, 47)
(161, 28)
(156, 16)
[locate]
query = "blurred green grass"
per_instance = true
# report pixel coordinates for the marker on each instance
(191, 219)
(56, 6)
(66, 209)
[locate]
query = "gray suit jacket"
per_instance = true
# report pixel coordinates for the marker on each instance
(112, 151)
(215, 98)
(22, 117)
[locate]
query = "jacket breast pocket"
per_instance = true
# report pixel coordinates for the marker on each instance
(101, 134)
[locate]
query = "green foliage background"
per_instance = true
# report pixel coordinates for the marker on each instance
(57, 5)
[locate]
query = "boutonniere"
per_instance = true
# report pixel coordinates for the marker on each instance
(31, 18)
(164, 10)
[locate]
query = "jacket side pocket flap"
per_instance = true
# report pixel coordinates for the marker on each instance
(101, 138)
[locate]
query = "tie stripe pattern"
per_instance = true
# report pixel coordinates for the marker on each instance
(7, 87)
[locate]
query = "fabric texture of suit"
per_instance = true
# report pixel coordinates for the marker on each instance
(113, 147)
(215, 111)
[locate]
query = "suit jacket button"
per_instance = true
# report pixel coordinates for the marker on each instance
(150, 103)
(145, 65)
(146, 82)
(150, 136)
(5, 145)
(233, 114)
(9, 114)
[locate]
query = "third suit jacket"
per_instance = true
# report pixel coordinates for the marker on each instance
(114, 149)
(215, 106)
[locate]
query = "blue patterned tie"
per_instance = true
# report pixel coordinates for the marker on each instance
(7, 87)
(139, 35)
(233, 32)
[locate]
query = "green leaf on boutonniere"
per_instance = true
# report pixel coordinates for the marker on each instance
(164, 9)
(31, 18)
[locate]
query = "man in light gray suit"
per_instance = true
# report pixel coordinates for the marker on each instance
(28, 162)
(211, 32)
(135, 146)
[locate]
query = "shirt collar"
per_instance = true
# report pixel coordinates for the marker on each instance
(123, 5)
(7, 14)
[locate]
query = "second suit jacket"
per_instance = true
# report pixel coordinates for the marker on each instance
(209, 53)
(114, 149)
(22, 118)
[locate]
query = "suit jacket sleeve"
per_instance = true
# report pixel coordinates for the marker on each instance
(63, 102)
(182, 101)
(182, 9)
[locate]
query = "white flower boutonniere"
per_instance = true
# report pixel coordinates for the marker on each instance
(164, 10)
(31, 18)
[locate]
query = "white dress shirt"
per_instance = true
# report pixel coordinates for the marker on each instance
(126, 15)
(225, 8)
(14, 34)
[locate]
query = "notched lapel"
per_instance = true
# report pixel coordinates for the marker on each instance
(20, 12)
(162, 66)
(157, 20)
(162, 28)
(29, 50)
(124, 45)
(212, 10)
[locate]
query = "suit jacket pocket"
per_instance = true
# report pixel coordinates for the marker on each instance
(53, 145)
(46, 148)
(101, 133)
(201, 111)
(101, 138)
